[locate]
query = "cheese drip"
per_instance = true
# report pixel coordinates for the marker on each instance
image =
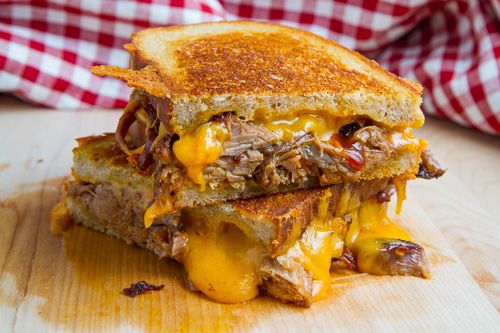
(159, 208)
(222, 262)
(320, 242)
(290, 127)
(199, 149)
(400, 184)
(371, 221)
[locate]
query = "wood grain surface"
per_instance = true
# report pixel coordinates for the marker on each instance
(465, 203)
(73, 283)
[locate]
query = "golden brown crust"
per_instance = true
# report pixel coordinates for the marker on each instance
(241, 62)
(284, 211)
(236, 63)
(87, 140)
(252, 68)
(146, 78)
(101, 148)
(286, 204)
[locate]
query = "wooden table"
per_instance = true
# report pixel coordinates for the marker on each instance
(464, 204)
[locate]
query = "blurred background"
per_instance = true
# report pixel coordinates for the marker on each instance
(451, 47)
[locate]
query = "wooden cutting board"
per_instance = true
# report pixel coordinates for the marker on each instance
(74, 283)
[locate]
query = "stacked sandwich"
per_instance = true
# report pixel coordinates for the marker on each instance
(259, 156)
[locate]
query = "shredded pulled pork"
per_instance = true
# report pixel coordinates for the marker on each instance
(122, 210)
(253, 155)
(252, 152)
(429, 167)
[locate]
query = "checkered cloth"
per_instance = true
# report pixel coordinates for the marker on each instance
(451, 47)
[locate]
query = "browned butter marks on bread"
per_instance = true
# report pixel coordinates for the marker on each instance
(268, 62)
(242, 66)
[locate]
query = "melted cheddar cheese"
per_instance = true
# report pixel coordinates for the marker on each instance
(320, 242)
(371, 221)
(290, 127)
(406, 138)
(60, 220)
(199, 149)
(157, 209)
(400, 184)
(222, 262)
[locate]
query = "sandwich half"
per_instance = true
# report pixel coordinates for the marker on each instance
(232, 110)
(284, 245)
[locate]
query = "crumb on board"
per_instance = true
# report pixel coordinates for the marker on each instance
(140, 287)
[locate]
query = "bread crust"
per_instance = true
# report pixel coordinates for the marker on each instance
(256, 68)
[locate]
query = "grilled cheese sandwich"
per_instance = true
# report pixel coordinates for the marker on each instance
(259, 156)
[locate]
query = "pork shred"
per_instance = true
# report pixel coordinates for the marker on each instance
(254, 156)
(141, 287)
(253, 152)
(429, 167)
(346, 261)
(386, 194)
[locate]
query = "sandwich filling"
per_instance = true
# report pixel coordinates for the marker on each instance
(227, 151)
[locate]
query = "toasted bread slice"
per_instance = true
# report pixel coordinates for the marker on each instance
(259, 69)
(97, 160)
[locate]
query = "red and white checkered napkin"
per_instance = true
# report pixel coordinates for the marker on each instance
(451, 47)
